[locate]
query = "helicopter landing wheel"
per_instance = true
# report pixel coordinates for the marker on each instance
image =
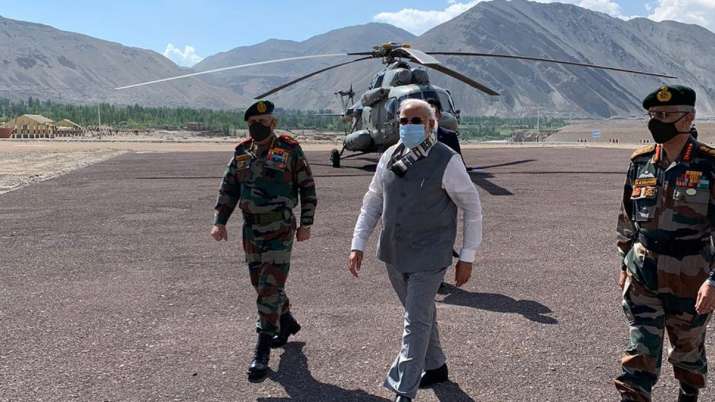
(335, 158)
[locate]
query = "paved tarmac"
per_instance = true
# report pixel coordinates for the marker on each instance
(111, 288)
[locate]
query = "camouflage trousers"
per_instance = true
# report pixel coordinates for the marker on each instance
(268, 248)
(650, 314)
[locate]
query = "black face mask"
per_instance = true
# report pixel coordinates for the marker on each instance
(259, 132)
(663, 132)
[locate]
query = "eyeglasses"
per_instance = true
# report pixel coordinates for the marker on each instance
(414, 120)
(667, 117)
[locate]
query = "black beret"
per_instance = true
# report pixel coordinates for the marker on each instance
(260, 107)
(670, 95)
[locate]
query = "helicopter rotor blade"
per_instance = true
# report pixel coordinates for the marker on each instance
(464, 78)
(304, 77)
(426, 60)
(361, 54)
(216, 70)
(418, 56)
(571, 63)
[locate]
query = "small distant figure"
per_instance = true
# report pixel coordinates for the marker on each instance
(445, 136)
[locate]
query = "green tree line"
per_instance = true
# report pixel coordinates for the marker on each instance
(497, 128)
(140, 117)
(223, 121)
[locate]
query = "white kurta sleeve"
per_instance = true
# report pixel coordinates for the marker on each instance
(458, 185)
(371, 210)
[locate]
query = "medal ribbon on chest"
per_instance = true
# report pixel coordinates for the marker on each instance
(278, 156)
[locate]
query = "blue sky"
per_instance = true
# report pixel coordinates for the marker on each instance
(187, 30)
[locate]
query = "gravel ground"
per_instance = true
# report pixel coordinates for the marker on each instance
(111, 288)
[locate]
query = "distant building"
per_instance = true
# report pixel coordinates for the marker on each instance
(33, 126)
(68, 128)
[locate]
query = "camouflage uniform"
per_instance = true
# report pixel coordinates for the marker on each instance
(664, 238)
(265, 183)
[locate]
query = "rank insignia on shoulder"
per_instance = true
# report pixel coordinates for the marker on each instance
(644, 150)
(288, 139)
(706, 150)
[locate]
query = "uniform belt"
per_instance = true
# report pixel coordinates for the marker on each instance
(267, 217)
(674, 248)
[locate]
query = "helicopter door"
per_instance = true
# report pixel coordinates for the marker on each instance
(379, 120)
(356, 120)
(366, 117)
(391, 129)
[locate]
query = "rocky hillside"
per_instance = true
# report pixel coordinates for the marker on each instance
(44, 62)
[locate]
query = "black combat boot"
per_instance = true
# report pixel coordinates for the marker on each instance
(289, 326)
(434, 376)
(688, 393)
(258, 370)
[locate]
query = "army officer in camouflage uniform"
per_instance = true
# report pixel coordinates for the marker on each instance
(664, 238)
(265, 178)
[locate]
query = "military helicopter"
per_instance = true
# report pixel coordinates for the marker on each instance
(375, 115)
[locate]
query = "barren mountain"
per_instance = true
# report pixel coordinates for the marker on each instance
(557, 31)
(568, 32)
(46, 63)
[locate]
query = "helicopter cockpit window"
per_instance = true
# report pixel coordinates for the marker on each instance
(446, 102)
(435, 95)
(377, 81)
(427, 95)
(443, 98)
(357, 120)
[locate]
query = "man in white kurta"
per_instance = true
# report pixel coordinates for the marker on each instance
(418, 186)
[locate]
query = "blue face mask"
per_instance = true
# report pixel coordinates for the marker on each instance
(412, 135)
